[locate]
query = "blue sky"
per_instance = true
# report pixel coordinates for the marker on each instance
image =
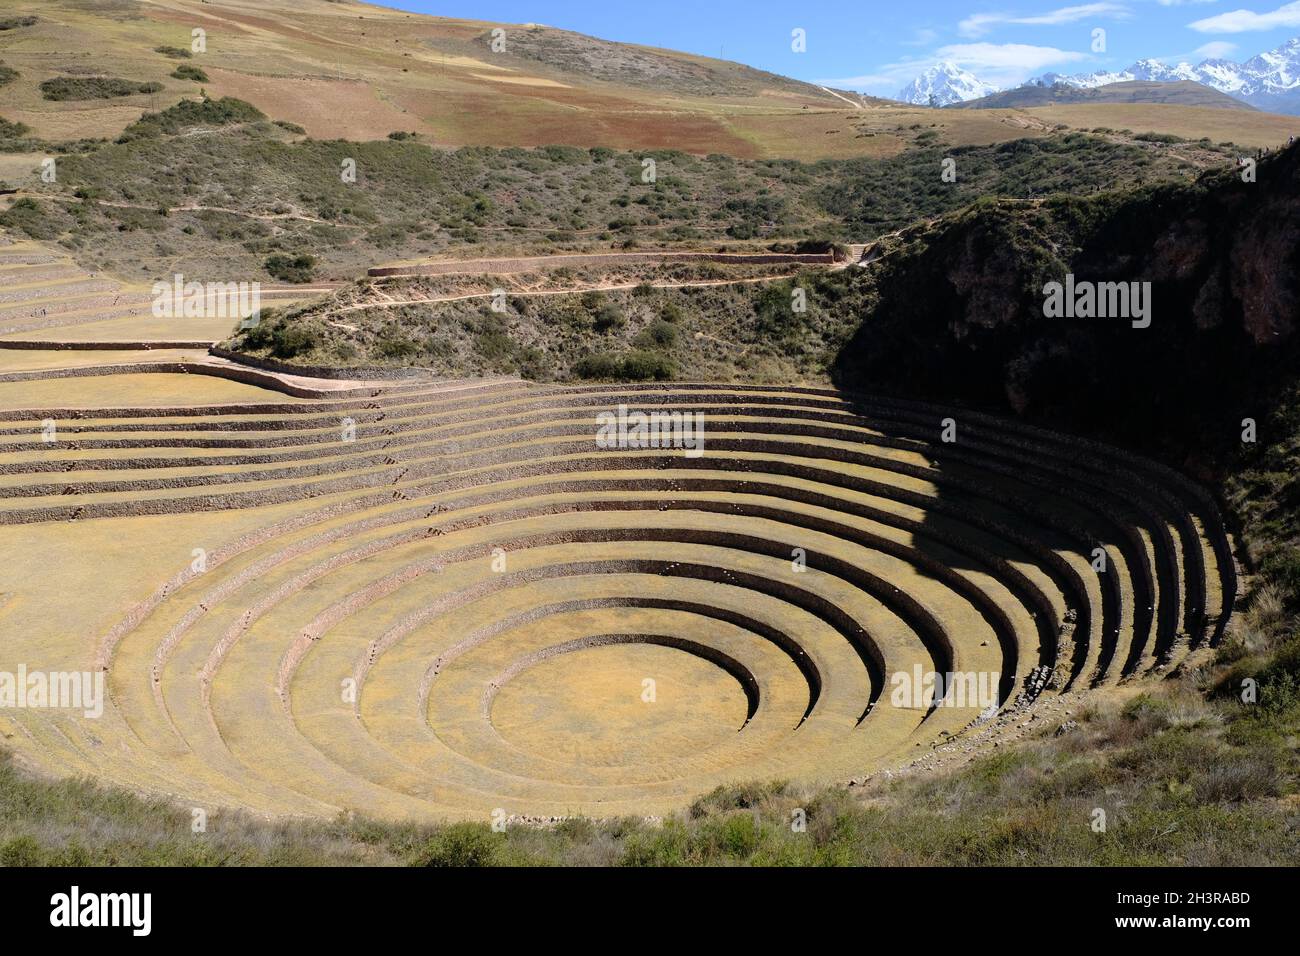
(878, 46)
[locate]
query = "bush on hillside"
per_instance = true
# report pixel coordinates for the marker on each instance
(94, 88)
(187, 72)
(29, 216)
(298, 269)
(637, 366)
(203, 112)
(459, 845)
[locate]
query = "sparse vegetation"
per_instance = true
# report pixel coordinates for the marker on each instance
(637, 366)
(11, 131)
(421, 201)
(94, 88)
(190, 113)
(31, 218)
(187, 72)
(299, 268)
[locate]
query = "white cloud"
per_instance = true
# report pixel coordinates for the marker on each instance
(1216, 49)
(923, 37)
(978, 24)
(1243, 21)
(1005, 56)
(1179, 3)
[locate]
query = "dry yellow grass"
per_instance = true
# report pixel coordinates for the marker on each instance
(20, 169)
(1243, 127)
(151, 390)
(29, 360)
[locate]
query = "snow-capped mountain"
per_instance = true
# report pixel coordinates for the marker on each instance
(1270, 81)
(1277, 70)
(1149, 71)
(944, 84)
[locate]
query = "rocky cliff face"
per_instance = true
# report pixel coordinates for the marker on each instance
(960, 313)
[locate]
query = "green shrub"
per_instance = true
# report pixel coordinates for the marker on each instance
(94, 88)
(7, 74)
(597, 366)
(13, 23)
(647, 366)
(175, 52)
(296, 269)
(186, 113)
(609, 317)
(259, 336)
(14, 138)
(393, 344)
(31, 217)
(459, 845)
(10, 130)
(288, 341)
(21, 851)
(493, 344)
(657, 335)
(667, 846)
(187, 72)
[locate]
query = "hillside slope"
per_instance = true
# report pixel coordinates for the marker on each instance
(1222, 257)
(354, 71)
(211, 188)
(345, 69)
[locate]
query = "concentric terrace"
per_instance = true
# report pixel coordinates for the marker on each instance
(447, 599)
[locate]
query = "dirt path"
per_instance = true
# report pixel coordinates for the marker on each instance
(389, 302)
(839, 96)
(507, 265)
(264, 216)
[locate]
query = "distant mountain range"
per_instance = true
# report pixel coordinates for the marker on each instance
(1269, 81)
